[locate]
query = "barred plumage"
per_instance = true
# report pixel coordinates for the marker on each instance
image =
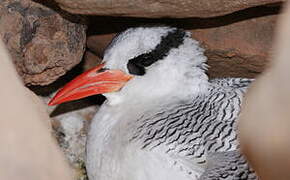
(203, 125)
(228, 165)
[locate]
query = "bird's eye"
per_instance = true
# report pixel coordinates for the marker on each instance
(135, 69)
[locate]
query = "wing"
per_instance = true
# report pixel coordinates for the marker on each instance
(192, 129)
(228, 166)
(232, 82)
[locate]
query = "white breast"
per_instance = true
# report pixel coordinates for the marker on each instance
(110, 155)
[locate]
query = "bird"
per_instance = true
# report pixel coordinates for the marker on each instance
(163, 118)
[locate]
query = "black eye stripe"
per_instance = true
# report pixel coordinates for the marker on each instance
(172, 40)
(136, 69)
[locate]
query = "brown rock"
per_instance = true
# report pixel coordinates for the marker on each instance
(238, 49)
(160, 8)
(98, 43)
(43, 41)
(91, 60)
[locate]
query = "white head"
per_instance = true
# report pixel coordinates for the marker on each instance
(178, 71)
(161, 61)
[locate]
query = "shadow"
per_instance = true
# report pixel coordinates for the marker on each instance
(106, 24)
(77, 105)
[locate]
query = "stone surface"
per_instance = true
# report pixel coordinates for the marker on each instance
(160, 8)
(90, 60)
(98, 43)
(44, 42)
(238, 49)
(235, 49)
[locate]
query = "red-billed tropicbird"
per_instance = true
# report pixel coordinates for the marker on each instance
(163, 119)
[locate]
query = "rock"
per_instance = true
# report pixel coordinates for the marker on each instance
(98, 43)
(234, 49)
(91, 60)
(44, 42)
(238, 49)
(160, 8)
